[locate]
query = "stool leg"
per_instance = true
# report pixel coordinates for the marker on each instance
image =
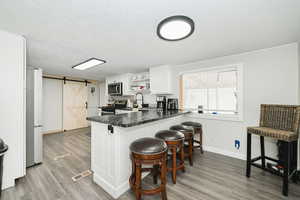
(201, 148)
(163, 179)
(132, 177)
(182, 156)
(155, 173)
(138, 181)
(193, 143)
(248, 170)
(285, 188)
(191, 151)
(174, 164)
(262, 149)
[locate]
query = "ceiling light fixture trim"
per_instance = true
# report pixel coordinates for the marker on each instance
(92, 62)
(182, 27)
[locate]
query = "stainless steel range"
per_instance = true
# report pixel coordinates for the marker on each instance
(111, 109)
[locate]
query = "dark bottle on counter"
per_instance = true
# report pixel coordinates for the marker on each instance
(200, 109)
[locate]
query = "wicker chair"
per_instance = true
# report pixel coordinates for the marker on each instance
(280, 122)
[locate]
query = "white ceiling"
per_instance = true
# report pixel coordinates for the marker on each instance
(61, 33)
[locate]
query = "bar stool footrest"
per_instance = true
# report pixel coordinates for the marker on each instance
(151, 191)
(177, 168)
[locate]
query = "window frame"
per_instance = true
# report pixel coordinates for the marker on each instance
(221, 116)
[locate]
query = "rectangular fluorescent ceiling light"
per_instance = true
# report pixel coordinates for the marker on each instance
(89, 63)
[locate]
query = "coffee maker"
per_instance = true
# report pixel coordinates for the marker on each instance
(172, 104)
(161, 102)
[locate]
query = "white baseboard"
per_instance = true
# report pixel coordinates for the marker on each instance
(7, 183)
(110, 189)
(224, 152)
(53, 131)
(123, 188)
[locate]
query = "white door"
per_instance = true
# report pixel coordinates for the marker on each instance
(74, 105)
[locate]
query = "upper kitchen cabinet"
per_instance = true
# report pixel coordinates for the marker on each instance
(160, 80)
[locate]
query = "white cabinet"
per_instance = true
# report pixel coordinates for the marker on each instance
(160, 80)
(13, 105)
(110, 159)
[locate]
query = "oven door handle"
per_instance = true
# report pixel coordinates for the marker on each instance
(118, 89)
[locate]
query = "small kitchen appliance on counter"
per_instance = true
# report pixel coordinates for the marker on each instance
(172, 104)
(161, 102)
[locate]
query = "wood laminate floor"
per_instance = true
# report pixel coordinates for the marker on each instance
(213, 177)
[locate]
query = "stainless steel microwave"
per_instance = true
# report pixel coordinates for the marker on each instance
(115, 89)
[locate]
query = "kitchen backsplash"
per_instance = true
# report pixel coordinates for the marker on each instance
(148, 99)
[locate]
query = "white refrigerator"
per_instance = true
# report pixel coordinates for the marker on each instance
(34, 136)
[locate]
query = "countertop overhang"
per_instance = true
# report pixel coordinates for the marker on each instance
(136, 118)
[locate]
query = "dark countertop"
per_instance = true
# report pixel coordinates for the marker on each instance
(139, 109)
(128, 109)
(136, 118)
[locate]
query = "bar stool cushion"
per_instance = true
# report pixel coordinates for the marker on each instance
(186, 130)
(148, 146)
(278, 134)
(193, 124)
(181, 128)
(169, 135)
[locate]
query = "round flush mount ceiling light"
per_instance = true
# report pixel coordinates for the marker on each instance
(175, 28)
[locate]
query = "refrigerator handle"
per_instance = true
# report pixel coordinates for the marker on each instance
(37, 126)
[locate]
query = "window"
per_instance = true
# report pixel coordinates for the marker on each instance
(216, 90)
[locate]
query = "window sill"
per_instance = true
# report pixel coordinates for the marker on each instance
(223, 117)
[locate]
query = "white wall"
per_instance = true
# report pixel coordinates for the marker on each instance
(52, 105)
(93, 100)
(12, 105)
(102, 94)
(270, 76)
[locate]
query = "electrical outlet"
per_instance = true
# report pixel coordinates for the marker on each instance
(237, 144)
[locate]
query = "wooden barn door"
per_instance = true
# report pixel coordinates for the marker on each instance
(74, 105)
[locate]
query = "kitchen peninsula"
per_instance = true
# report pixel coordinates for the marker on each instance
(111, 136)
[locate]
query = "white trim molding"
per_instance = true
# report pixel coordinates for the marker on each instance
(224, 152)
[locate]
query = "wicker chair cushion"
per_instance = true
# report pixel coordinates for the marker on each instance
(278, 134)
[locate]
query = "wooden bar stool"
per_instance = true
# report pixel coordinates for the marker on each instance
(280, 122)
(148, 151)
(175, 142)
(197, 130)
(188, 137)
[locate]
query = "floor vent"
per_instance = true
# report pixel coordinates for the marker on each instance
(61, 156)
(81, 175)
